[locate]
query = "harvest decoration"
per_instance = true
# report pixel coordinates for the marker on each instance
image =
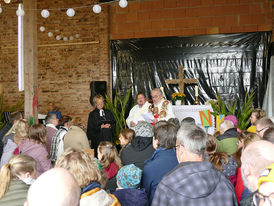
(178, 96)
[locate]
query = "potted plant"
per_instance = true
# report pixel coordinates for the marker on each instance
(178, 98)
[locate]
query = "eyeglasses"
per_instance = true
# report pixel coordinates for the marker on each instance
(258, 131)
(260, 198)
(177, 145)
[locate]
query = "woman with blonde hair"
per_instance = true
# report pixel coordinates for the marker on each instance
(111, 163)
(101, 123)
(35, 147)
(12, 139)
(16, 177)
(83, 167)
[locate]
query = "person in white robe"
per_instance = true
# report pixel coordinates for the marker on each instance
(135, 114)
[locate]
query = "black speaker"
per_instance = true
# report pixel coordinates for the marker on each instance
(97, 87)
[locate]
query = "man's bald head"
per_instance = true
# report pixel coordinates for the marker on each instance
(255, 158)
(56, 187)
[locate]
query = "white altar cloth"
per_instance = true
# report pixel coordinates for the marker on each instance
(184, 111)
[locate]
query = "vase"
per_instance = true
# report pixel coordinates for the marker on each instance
(178, 102)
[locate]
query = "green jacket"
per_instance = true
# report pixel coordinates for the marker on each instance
(228, 145)
(16, 194)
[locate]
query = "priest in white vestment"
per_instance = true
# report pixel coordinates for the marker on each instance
(161, 108)
(135, 114)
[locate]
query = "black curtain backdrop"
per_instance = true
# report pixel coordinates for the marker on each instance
(230, 64)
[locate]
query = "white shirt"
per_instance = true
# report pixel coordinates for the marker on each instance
(169, 111)
(135, 114)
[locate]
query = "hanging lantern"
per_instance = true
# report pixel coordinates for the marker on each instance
(123, 3)
(70, 12)
(45, 13)
(96, 8)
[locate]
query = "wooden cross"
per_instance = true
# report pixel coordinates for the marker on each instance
(181, 81)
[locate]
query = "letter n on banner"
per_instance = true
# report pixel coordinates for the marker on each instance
(206, 118)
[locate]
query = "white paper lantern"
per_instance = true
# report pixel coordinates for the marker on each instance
(71, 38)
(97, 8)
(70, 12)
(50, 34)
(7, 1)
(0, 10)
(20, 12)
(45, 13)
(42, 29)
(123, 3)
(77, 36)
(65, 38)
(58, 37)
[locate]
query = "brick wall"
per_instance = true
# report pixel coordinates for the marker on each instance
(64, 71)
(159, 18)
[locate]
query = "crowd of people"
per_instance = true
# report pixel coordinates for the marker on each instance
(160, 161)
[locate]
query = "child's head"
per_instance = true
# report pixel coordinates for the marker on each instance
(37, 132)
(129, 176)
(126, 136)
(107, 153)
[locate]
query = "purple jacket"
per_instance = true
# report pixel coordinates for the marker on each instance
(38, 152)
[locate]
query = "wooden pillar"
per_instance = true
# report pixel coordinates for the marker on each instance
(30, 60)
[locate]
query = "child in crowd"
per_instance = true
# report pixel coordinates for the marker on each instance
(126, 136)
(35, 146)
(111, 163)
(128, 181)
(16, 177)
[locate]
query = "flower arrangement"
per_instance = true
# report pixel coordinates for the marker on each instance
(178, 96)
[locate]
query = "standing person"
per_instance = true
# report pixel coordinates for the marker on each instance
(161, 108)
(194, 181)
(57, 143)
(35, 147)
(162, 161)
(53, 110)
(51, 123)
(111, 163)
(101, 124)
(16, 177)
(135, 114)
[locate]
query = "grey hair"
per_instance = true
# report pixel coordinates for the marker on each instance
(264, 122)
(50, 117)
(157, 90)
(193, 138)
(226, 124)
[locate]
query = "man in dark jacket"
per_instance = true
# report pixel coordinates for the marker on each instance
(194, 182)
(162, 161)
(140, 149)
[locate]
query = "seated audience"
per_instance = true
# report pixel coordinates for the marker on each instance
(16, 176)
(111, 163)
(53, 110)
(35, 147)
(76, 138)
(255, 158)
(188, 120)
(83, 167)
(175, 121)
(255, 116)
(56, 187)
(51, 124)
(14, 137)
(227, 140)
(57, 143)
(222, 161)
(269, 135)
(194, 181)
(135, 114)
(128, 182)
(262, 125)
(125, 137)
(265, 196)
(163, 159)
(140, 148)
(13, 117)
